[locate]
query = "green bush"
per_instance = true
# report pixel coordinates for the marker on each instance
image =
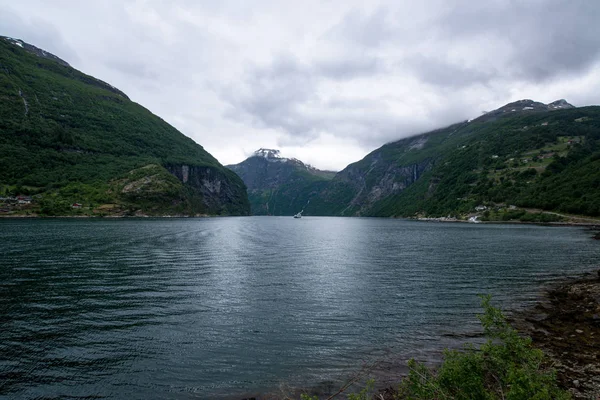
(505, 367)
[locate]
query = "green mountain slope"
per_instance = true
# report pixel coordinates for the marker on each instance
(66, 137)
(277, 185)
(526, 154)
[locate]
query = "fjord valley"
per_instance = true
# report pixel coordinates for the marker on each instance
(71, 144)
(74, 145)
(229, 307)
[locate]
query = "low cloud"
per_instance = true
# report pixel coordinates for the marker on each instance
(445, 73)
(315, 77)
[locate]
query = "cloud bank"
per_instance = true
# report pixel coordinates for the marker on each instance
(326, 82)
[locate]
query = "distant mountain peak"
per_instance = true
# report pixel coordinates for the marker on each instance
(525, 105)
(268, 154)
(278, 185)
(35, 50)
(558, 104)
(528, 104)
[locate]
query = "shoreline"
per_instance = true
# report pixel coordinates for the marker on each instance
(564, 322)
(20, 216)
(565, 325)
(592, 222)
(592, 225)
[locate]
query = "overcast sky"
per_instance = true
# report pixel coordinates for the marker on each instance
(325, 81)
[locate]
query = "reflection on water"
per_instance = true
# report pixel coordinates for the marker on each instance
(204, 308)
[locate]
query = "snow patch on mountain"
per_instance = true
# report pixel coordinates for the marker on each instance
(558, 104)
(269, 154)
(527, 105)
(35, 50)
(274, 155)
(14, 41)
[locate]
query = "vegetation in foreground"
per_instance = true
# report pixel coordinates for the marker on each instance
(507, 367)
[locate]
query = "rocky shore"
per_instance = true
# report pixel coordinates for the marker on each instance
(565, 324)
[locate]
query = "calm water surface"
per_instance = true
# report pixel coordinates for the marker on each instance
(209, 308)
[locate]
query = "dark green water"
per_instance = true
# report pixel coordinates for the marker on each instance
(223, 307)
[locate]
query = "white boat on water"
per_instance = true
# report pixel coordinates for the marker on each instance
(299, 215)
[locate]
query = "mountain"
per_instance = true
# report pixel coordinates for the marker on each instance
(35, 50)
(71, 143)
(386, 172)
(544, 156)
(524, 106)
(278, 185)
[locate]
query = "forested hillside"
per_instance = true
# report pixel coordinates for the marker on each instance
(66, 138)
(546, 158)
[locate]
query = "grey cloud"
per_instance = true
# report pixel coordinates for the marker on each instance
(349, 104)
(367, 30)
(351, 67)
(546, 38)
(531, 40)
(441, 72)
(284, 96)
(276, 96)
(272, 96)
(133, 68)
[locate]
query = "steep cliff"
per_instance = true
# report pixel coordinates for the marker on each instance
(378, 181)
(220, 189)
(385, 172)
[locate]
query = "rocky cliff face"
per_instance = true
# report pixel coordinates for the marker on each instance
(361, 185)
(220, 193)
(538, 156)
(381, 181)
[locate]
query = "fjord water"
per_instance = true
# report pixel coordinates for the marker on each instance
(222, 307)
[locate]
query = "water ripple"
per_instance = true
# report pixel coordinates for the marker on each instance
(208, 308)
